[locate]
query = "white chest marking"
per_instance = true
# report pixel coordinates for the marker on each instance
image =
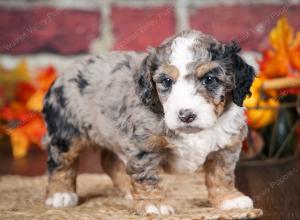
(192, 149)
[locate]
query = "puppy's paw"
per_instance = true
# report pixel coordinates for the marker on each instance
(128, 196)
(241, 202)
(160, 209)
(166, 209)
(62, 199)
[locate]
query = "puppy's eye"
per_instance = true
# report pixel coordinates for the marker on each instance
(208, 80)
(167, 82)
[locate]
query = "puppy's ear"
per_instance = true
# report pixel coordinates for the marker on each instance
(146, 86)
(244, 74)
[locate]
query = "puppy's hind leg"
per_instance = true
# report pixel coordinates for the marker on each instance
(62, 169)
(116, 170)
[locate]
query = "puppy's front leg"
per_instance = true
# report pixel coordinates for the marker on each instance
(144, 169)
(220, 181)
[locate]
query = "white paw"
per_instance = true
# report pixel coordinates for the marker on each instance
(166, 210)
(159, 210)
(242, 202)
(62, 199)
(128, 196)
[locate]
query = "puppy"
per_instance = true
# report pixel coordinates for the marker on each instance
(179, 106)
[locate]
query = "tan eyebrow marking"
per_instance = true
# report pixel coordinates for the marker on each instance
(204, 68)
(172, 71)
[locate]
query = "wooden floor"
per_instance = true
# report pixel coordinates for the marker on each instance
(274, 188)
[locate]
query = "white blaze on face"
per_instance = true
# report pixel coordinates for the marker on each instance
(181, 53)
(184, 94)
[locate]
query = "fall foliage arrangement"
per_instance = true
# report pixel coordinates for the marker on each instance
(281, 60)
(272, 109)
(21, 105)
(273, 130)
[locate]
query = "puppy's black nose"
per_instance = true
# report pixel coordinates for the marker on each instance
(186, 115)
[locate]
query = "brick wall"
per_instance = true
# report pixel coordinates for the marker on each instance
(54, 28)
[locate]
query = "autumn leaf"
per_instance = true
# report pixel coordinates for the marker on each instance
(294, 54)
(31, 131)
(20, 73)
(19, 143)
(45, 78)
(281, 36)
(14, 111)
(283, 59)
(34, 129)
(35, 103)
(274, 65)
(24, 91)
(9, 79)
(20, 110)
(2, 98)
(43, 81)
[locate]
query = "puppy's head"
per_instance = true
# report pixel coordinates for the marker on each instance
(190, 78)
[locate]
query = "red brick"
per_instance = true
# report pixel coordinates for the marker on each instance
(240, 22)
(138, 28)
(47, 29)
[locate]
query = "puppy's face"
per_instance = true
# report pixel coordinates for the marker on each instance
(192, 76)
(192, 96)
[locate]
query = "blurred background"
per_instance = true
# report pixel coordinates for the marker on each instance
(40, 38)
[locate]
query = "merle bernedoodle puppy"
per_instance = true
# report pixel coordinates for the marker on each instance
(179, 106)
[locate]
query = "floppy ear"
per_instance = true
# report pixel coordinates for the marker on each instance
(244, 74)
(146, 86)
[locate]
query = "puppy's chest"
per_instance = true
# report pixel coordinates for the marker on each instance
(190, 150)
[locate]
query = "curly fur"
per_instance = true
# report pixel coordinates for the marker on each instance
(119, 102)
(244, 74)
